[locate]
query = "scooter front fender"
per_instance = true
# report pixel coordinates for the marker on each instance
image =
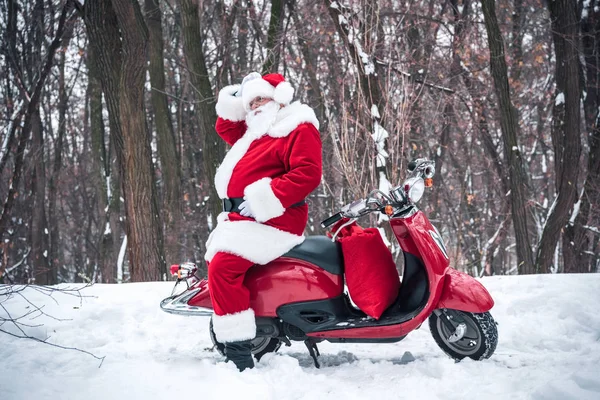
(465, 293)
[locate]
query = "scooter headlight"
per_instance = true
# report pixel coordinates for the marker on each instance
(414, 188)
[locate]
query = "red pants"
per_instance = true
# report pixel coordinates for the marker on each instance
(226, 274)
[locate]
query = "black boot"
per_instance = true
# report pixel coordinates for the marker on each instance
(240, 353)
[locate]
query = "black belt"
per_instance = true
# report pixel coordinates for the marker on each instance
(233, 204)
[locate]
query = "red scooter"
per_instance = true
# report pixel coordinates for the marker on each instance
(300, 296)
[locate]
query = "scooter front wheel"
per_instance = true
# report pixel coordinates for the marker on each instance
(261, 345)
(464, 334)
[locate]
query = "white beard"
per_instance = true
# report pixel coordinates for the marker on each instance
(260, 120)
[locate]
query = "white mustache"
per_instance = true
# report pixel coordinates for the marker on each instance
(261, 119)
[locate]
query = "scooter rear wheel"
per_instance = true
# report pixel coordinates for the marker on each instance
(260, 345)
(479, 340)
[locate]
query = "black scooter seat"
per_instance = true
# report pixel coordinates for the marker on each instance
(321, 251)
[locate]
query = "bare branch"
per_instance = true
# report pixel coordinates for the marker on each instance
(56, 345)
(9, 291)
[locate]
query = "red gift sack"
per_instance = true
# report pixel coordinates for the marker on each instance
(371, 276)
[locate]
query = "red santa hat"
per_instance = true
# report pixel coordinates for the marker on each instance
(273, 86)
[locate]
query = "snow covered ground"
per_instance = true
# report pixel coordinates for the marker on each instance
(549, 348)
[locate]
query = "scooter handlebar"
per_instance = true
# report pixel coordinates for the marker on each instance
(332, 220)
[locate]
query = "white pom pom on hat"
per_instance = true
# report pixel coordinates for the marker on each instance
(273, 86)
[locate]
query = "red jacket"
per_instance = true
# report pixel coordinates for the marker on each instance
(272, 172)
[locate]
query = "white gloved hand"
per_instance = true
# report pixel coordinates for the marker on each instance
(245, 209)
(250, 77)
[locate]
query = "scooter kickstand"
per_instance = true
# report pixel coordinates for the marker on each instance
(311, 345)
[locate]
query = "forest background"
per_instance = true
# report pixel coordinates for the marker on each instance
(108, 148)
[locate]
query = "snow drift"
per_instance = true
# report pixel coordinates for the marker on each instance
(549, 348)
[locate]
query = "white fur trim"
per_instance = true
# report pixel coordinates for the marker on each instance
(233, 156)
(224, 216)
(284, 93)
(235, 327)
(288, 119)
(255, 88)
(263, 202)
(228, 106)
(251, 240)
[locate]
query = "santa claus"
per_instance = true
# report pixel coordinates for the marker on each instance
(272, 166)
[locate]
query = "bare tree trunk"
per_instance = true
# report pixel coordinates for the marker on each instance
(578, 243)
(107, 250)
(144, 233)
(102, 29)
(510, 128)
(315, 93)
(274, 37)
(10, 36)
(495, 162)
(167, 147)
(566, 132)
(104, 37)
(242, 39)
(516, 46)
(55, 256)
(39, 224)
(213, 149)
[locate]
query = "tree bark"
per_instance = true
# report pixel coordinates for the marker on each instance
(107, 250)
(578, 243)
(510, 128)
(167, 147)
(55, 258)
(213, 149)
(102, 29)
(144, 233)
(104, 38)
(274, 37)
(242, 38)
(39, 224)
(518, 18)
(42, 272)
(566, 132)
(315, 94)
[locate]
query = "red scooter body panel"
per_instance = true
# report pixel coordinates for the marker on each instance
(202, 298)
(415, 235)
(289, 280)
(282, 281)
(465, 293)
(373, 332)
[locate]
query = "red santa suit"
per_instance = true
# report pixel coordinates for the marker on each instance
(272, 171)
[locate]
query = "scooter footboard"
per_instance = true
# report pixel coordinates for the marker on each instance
(463, 292)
